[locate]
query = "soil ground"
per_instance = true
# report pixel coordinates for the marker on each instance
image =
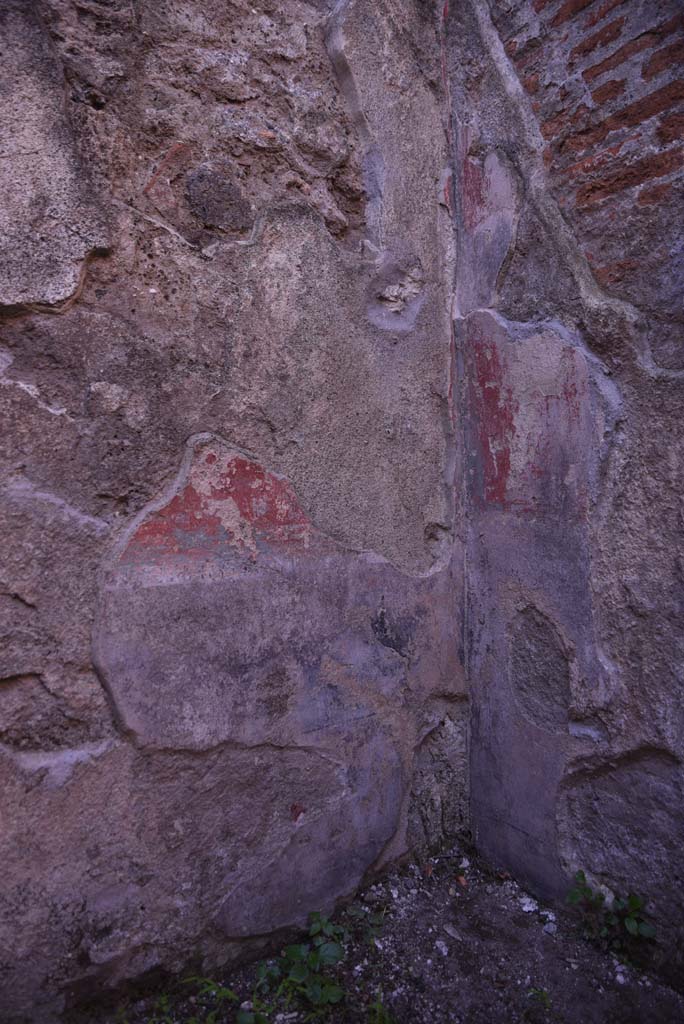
(451, 941)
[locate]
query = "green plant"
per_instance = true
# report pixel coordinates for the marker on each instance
(539, 1006)
(300, 971)
(541, 996)
(212, 997)
(377, 1011)
(162, 1010)
(620, 925)
(259, 1014)
(367, 923)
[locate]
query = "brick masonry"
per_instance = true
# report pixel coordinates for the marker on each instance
(606, 82)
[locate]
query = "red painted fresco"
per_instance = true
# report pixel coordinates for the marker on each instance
(495, 421)
(229, 501)
(529, 403)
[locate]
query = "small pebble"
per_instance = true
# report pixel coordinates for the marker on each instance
(528, 904)
(442, 947)
(550, 928)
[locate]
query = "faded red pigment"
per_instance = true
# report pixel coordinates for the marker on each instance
(495, 419)
(189, 525)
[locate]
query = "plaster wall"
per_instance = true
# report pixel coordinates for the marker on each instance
(341, 398)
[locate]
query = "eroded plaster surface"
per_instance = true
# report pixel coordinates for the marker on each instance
(340, 381)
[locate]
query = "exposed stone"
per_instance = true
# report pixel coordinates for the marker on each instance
(438, 811)
(49, 221)
(341, 499)
(612, 812)
(540, 671)
(217, 201)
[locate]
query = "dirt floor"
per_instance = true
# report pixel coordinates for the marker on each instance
(451, 941)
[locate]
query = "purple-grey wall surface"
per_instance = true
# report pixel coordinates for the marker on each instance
(341, 388)
(566, 140)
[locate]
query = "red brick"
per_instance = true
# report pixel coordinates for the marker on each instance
(636, 113)
(585, 139)
(664, 60)
(636, 45)
(614, 273)
(671, 127)
(527, 55)
(554, 125)
(629, 175)
(656, 194)
(620, 56)
(596, 16)
(648, 106)
(608, 34)
(608, 91)
(594, 162)
(539, 5)
(668, 27)
(568, 10)
(531, 83)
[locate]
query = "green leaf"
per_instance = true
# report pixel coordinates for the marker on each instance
(299, 972)
(314, 989)
(299, 951)
(646, 930)
(631, 926)
(330, 953)
(268, 972)
(580, 877)
(245, 1017)
(334, 994)
(634, 902)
